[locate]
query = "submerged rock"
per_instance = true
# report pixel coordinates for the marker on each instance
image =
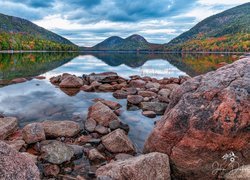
(208, 117)
(56, 152)
(118, 142)
(148, 166)
(61, 128)
(14, 165)
(7, 126)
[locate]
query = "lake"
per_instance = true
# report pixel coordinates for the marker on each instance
(38, 100)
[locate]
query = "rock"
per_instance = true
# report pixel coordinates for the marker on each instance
(207, 117)
(106, 77)
(87, 88)
(90, 125)
(61, 128)
(118, 112)
(171, 87)
(134, 99)
(70, 91)
(164, 95)
(101, 129)
(120, 94)
(157, 107)
(7, 126)
(33, 133)
(106, 88)
(51, 170)
(149, 114)
(114, 124)
(147, 94)
(95, 85)
(16, 144)
(71, 82)
(241, 173)
(19, 80)
(83, 139)
(14, 165)
(138, 83)
(56, 152)
(30, 156)
(118, 142)
(95, 155)
(102, 114)
(40, 77)
(150, 85)
(111, 104)
(78, 150)
(55, 79)
(123, 156)
(148, 166)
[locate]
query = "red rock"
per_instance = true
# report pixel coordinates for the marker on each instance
(147, 94)
(19, 80)
(14, 165)
(118, 112)
(83, 139)
(61, 128)
(150, 114)
(51, 170)
(106, 88)
(8, 125)
(150, 85)
(71, 82)
(118, 142)
(134, 99)
(70, 91)
(95, 155)
(16, 144)
(148, 166)
(137, 83)
(208, 117)
(102, 114)
(33, 133)
(87, 88)
(111, 104)
(101, 129)
(56, 79)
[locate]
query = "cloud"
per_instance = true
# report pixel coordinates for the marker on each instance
(87, 22)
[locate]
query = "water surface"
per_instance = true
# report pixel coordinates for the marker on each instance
(38, 100)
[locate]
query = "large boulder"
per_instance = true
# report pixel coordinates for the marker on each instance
(61, 128)
(118, 142)
(242, 173)
(102, 114)
(7, 126)
(14, 165)
(208, 116)
(148, 166)
(56, 152)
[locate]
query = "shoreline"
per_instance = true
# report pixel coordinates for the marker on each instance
(132, 51)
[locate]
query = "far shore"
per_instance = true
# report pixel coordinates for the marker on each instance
(132, 51)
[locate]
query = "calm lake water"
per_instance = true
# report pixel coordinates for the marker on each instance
(38, 100)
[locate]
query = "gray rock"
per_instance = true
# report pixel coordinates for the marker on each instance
(157, 107)
(33, 133)
(90, 125)
(241, 173)
(56, 152)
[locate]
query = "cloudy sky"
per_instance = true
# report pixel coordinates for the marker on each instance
(87, 22)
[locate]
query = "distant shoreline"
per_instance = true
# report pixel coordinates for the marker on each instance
(117, 51)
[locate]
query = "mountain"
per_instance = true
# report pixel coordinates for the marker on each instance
(131, 43)
(226, 31)
(20, 34)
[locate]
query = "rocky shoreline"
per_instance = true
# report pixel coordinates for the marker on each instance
(203, 118)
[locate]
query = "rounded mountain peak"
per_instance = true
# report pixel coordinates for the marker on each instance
(136, 37)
